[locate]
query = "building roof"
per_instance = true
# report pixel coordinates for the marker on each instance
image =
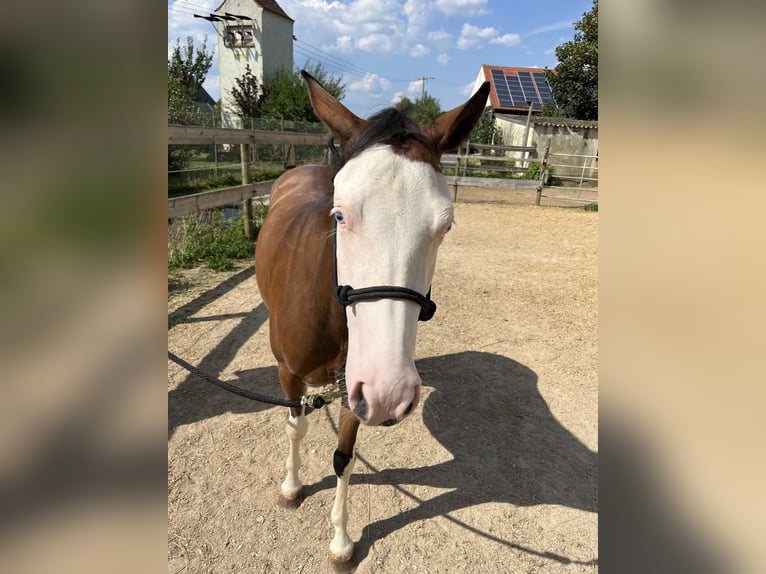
(511, 88)
(272, 6)
(548, 121)
(268, 5)
(565, 122)
(202, 97)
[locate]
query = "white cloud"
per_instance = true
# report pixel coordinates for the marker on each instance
(415, 87)
(443, 58)
(419, 50)
(551, 28)
(375, 43)
(473, 37)
(418, 13)
(397, 98)
(370, 83)
(507, 40)
(439, 36)
(344, 44)
(462, 7)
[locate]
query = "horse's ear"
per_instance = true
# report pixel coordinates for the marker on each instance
(342, 123)
(454, 127)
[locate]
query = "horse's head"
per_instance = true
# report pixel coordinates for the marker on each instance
(392, 209)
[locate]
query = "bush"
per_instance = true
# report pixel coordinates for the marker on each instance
(534, 172)
(208, 238)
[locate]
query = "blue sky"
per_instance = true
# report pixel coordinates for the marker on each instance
(381, 47)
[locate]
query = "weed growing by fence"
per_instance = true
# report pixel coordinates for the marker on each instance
(533, 172)
(209, 238)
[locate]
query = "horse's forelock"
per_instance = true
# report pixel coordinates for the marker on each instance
(396, 129)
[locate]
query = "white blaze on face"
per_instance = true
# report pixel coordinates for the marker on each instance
(392, 216)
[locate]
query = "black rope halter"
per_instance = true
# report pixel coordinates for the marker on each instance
(347, 295)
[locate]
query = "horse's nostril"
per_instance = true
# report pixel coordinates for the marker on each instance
(361, 409)
(409, 408)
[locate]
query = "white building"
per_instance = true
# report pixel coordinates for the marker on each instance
(255, 33)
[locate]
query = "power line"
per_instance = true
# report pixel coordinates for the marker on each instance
(424, 79)
(192, 6)
(358, 70)
(329, 57)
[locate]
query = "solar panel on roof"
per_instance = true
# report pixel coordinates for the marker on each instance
(505, 101)
(528, 87)
(514, 90)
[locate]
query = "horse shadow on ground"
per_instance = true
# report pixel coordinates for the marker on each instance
(505, 445)
(194, 399)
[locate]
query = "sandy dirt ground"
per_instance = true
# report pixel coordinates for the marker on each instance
(495, 471)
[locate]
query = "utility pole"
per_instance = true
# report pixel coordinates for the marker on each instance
(424, 79)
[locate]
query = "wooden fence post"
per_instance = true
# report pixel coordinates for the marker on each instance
(543, 172)
(247, 203)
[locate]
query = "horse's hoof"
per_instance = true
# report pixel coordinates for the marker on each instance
(292, 501)
(343, 565)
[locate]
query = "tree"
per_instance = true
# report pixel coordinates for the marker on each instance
(287, 97)
(486, 131)
(424, 110)
(247, 96)
(186, 72)
(574, 81)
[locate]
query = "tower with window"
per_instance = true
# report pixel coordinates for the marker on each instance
(255, 33)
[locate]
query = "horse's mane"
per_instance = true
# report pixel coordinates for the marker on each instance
(391, 127)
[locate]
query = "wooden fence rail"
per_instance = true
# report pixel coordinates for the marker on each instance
(488, 158)
(195, 135)
(470, 157)
(188, 204)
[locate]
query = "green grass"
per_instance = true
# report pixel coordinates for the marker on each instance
(207, 238)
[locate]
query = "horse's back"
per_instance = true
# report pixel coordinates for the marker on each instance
(293, 261)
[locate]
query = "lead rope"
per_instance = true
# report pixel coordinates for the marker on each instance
(316, 401)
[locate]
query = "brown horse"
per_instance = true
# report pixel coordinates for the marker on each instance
(344, 263)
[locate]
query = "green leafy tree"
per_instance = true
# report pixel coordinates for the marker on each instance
(424, 110)
(187, 70)
(247, 95)
(574, 82)
(486, 131)
(287, 97)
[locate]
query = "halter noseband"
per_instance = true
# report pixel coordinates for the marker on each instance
(347, 295)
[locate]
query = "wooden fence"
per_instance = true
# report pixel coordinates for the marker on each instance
(470, 158)
(196, 135)
(500, 159)
(576, 172)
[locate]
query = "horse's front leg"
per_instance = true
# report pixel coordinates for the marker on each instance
(291, 492)
(341, 547)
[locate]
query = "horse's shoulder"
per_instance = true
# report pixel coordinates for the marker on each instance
(307, 181)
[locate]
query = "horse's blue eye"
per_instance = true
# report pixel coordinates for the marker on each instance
(338, 217)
